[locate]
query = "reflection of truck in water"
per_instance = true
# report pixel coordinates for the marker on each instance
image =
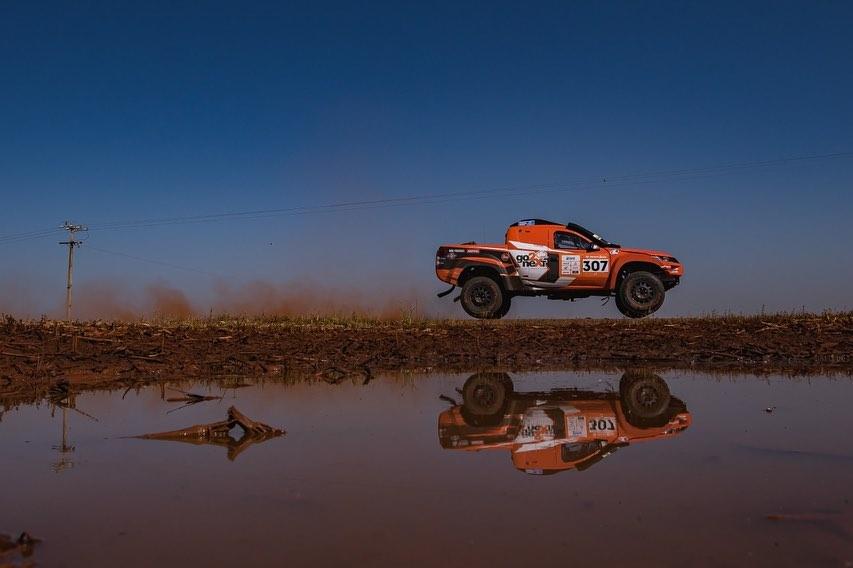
(562, 429)
(561, 262)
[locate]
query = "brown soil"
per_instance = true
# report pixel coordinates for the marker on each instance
(36, 356)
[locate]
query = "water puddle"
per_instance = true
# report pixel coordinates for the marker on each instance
(487, 468)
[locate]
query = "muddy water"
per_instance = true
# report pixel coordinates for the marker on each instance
(364, 476)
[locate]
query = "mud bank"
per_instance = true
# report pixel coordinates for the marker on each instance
(37, 355)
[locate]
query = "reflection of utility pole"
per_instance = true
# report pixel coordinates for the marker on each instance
(60, 395)
(65, 449)
(71, 242)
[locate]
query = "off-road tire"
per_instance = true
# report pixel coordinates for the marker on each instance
(640, 294)
(507, 304)
(483, 298)
(486, 394)
(645, 396)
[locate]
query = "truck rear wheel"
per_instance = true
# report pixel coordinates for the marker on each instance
(640, 294)
(486, 394)
(483, 298)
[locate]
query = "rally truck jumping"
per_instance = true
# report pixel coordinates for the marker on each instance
(560, 262)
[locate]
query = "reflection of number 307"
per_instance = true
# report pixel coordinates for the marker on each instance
(602, 424)
(595, 265)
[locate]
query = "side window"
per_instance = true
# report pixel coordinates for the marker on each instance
(579, 450)
(568, 241)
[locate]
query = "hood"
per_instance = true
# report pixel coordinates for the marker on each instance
(649, 252)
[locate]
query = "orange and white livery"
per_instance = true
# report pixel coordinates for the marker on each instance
(561, 262)
(562, 429)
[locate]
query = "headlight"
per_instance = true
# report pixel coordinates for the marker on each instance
(666, 259)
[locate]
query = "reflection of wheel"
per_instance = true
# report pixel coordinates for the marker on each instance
(645, 396)
(486, 394)
(483, 298)
(640, 294)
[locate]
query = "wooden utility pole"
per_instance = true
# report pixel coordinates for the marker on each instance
(71, 242)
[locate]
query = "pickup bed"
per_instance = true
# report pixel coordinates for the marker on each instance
(560, 262)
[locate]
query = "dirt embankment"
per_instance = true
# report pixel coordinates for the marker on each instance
(39, 354)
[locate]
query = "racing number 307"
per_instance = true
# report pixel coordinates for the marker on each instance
(595, 265)
(601, 424)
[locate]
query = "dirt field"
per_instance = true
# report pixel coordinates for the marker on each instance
(38, 355)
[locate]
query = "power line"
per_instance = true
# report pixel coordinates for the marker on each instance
(641, 178)
(152, 261)
(622, 180)
(28, 235)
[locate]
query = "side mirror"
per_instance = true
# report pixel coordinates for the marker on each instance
(594, 247)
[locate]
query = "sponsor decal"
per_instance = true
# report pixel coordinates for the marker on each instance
(532, 258)
(526, 223)
(536, 426)
(473, 251)
(576, 426)
(596, 264)
(570, 265)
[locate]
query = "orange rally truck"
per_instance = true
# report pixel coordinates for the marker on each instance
(563, 429)
(561, 262)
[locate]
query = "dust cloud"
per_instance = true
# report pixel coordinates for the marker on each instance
(167, 301)
(15, 296)
(300, 298)
(115, 300)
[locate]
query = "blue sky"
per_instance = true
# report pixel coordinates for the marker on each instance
(124, 111)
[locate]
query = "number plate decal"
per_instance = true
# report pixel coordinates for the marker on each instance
(596, 265)
(602, 425)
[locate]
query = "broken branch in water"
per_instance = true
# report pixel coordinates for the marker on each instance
(219, 433)
(191, 397)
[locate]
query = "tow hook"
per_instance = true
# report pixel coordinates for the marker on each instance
(446, 292)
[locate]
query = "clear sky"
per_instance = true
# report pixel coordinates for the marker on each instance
(114, 111)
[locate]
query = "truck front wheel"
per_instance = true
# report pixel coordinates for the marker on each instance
(483, 298)
(645, 398)
(640, 294)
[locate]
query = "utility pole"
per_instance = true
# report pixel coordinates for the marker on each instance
(71, 242)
